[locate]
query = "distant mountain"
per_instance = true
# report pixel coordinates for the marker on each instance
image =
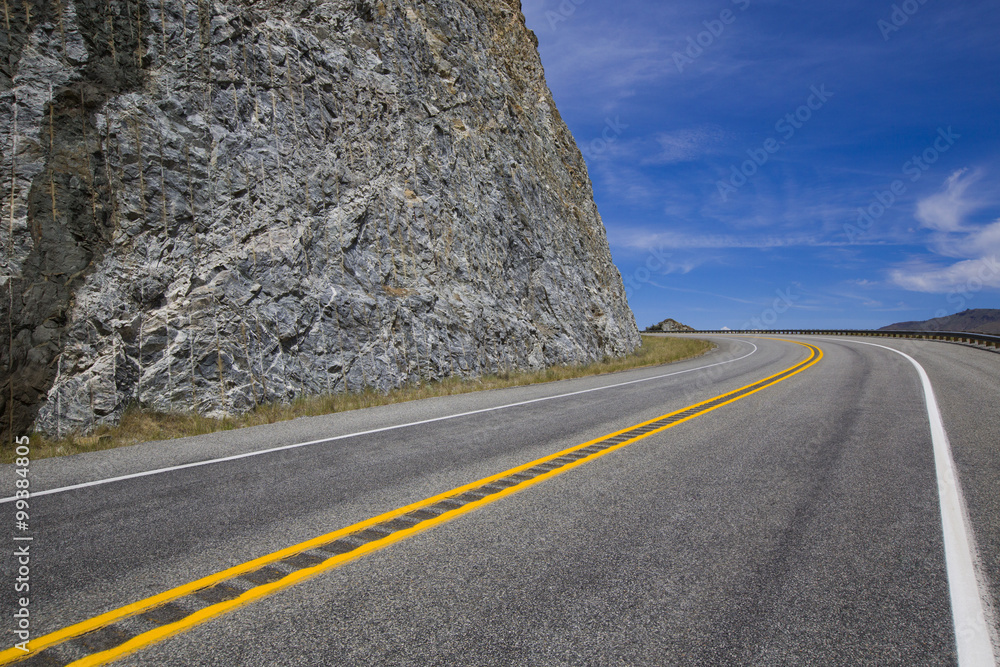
(979, 320)
(667, 326)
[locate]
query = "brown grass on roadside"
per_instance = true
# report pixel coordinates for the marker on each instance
(143, 426)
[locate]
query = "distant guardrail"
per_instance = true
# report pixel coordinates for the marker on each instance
(953, 336)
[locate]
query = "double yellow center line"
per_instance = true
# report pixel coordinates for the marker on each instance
(122, 631)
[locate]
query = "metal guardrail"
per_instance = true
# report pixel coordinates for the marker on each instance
(953, 336)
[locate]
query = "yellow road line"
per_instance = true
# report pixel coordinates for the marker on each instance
(13, 655)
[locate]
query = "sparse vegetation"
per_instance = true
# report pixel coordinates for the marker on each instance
(141, 426)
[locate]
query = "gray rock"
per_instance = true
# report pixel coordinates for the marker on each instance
(668, 325)
(212, 205)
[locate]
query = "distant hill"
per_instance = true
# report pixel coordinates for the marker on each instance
(979, 320)
(667, 326)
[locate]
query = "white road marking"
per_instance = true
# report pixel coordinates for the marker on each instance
(970, 598)
(236, 457)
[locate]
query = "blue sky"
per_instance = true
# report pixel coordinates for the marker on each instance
(793, 164)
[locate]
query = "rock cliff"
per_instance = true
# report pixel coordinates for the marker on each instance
(211, 205)
(668, 325)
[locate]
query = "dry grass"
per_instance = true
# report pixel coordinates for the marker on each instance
(140, 426)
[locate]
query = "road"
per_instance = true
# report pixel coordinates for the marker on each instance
(799, 524)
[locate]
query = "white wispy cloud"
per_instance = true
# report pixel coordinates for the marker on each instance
(642, 240)
(726, 297)
(945, 210)
(686, 144)
(976, 246)
(969, 275)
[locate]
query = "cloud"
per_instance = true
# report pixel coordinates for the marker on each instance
(641, 240)
(686, 145)
(703, 293)
(945, 210)
(978, 247)
(969, 275)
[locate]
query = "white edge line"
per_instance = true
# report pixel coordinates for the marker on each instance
(970, 601)
(236, 457)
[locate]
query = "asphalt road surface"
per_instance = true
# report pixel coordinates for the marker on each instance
(797, 525)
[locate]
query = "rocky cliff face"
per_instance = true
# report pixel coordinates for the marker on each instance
(669, 325)
(210, 205)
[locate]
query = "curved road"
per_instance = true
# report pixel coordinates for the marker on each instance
(799, 524)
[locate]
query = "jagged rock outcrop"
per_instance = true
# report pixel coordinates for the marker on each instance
(210, 205)
(669, 325)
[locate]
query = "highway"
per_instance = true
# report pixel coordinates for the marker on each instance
(797, 522)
